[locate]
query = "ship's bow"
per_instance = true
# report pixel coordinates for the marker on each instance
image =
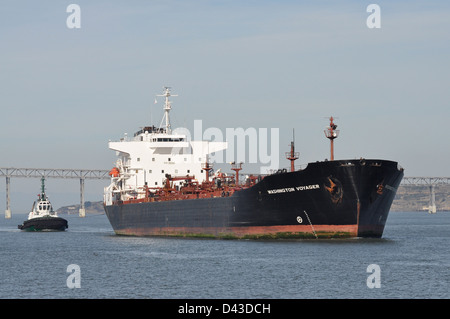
(379, 183)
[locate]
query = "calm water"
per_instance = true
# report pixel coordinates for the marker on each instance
(413, 256)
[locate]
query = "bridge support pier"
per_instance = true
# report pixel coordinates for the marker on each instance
(8, 199)
(432, 207)
(82, 211)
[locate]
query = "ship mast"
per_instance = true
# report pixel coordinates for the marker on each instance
(292, 155)
(207, 167)
(236, 168)
(43, 197)
(331, 133)
(167, 108)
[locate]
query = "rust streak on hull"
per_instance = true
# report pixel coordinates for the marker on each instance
(287, 231)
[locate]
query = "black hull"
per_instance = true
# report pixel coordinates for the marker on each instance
(345, 198)
(44, 224)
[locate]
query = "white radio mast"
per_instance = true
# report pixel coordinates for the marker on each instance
(167, 108)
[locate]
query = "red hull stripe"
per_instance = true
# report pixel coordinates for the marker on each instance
(287, 231)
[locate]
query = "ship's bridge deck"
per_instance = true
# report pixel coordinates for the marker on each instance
(149, 129)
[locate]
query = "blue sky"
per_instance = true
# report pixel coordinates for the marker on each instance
(264, 64)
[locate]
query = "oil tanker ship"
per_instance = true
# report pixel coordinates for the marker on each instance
(163, 185)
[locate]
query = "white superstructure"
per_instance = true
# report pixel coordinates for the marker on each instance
(152, 153)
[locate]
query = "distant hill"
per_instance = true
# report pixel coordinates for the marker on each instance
(91, 208)
(417, 198)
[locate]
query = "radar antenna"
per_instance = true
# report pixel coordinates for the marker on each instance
(167, 108)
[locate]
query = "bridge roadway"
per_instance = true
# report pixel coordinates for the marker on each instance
(424, 181)
(83, 174)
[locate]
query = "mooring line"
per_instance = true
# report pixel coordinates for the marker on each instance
(312, 227)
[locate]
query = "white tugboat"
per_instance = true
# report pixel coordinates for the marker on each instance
(42, 217)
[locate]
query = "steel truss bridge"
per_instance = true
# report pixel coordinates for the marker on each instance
(83, 174)
(427, 181)
(424, 181)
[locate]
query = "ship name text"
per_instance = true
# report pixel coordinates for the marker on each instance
(293, 189)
